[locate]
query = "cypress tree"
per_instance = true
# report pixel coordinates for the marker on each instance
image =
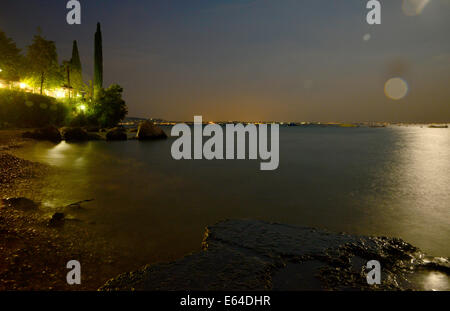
(76, 75)
(98, 60)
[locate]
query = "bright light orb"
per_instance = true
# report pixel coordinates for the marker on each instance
(396, 88)
(22, 85)
(414, 7)
(82, 107)
(60, 94)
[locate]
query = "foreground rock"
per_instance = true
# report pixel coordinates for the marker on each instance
(74, 134)
(149, 131)
(116, 133)
(50, 133)
(255, 255)
(57, 220)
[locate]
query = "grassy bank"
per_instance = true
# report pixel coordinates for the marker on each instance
(21, 109)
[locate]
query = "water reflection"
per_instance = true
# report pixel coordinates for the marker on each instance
(424, 181)
(63, 153)
(391, 181)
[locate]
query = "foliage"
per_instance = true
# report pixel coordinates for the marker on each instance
(40, 70)
(109, 108)
(11, 61)
(42, 59)
(21, 109)
(76, 76)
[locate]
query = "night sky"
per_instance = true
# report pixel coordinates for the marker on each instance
(256, 59)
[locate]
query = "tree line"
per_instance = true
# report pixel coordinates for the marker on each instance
(40, 69)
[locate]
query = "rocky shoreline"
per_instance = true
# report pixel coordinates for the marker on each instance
(35, 243)
(256, 255)
(145, 131)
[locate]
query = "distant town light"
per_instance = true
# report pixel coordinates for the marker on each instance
(23, 85)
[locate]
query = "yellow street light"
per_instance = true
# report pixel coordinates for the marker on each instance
(60, 93)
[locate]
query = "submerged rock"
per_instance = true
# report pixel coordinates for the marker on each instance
(73, 134)
(149, 131)
(57, 220)
(256, 255)
(20, 203)
(116, 133)
(50, 133)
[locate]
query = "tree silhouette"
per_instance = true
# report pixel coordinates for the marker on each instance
(98, 60)
(76, 75)
(10, 59)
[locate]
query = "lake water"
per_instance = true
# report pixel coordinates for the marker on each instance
(391, 181)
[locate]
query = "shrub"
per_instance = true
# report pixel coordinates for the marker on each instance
(21, 109)
(109, 108)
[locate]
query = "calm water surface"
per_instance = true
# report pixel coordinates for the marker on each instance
(379, 181)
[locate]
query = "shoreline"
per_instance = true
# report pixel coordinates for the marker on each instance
(34, 253)
(251, 255)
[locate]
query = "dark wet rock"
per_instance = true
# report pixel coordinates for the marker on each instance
(50, 133)
(255, 255)
(77, 205)
(94, 136)
(20, 204)
(92, 129)
(74, 134)
(116, 133)
(57, 220)
(149, 131)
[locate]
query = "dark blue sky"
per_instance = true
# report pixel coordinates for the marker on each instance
(256, 59)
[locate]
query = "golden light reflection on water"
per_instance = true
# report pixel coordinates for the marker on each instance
(431, 281)
(61, 154)
(423, 179)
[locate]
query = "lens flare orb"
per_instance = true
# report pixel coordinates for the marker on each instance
(396, 88)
